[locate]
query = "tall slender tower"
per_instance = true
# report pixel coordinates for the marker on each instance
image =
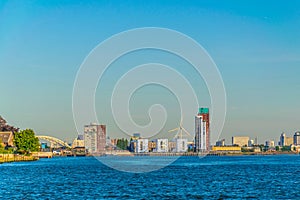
(202, 133)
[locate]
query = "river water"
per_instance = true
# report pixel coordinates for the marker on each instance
(236, 177)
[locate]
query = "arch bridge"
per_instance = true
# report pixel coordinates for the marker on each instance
(53, 140)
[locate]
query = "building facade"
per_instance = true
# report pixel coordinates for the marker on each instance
(141, 146)
(78, 142)
(220, 143)
(240, 141)
(202, 130)
(289, 141)
(270, 143)
(297, 139)
(282, 140)
(6, 138)
(161, 145)
(227, 149)
(95, 138)
(181, 145)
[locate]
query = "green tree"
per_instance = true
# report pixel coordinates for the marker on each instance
(122, 144)
(26, 142)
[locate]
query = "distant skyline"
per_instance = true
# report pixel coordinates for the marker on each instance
(256, 46)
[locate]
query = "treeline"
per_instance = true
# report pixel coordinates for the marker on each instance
(122, 144)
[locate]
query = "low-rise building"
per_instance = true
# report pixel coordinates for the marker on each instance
(220, 143)
(78, 142)
(141, 146)
(227, 149)
(162, 145)
(181, 145)
(270, 143)
(6, 138)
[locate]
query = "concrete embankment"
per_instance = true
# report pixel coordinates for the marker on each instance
(15, 158)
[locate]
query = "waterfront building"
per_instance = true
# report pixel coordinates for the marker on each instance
(270, 143)
(202, 130)
(250, 143)
(297, 139)
(172, 146)
(78, 142)
(220, 143)
(240, 141)
(181, 145)
(141, 146)
(282, 140)
(151, 146)
(161, 145)
(227, 149)
(6, 138)
(95, 138)
(289, 141)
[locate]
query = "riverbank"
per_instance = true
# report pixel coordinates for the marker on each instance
(4, 158)
(196, 154)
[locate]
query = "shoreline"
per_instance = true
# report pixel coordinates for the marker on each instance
(8, 158)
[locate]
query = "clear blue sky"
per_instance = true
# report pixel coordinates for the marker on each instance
(255, 44)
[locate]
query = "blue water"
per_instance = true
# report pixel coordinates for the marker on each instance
(242, 177)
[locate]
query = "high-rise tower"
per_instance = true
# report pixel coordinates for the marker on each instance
(202, 131)
(95, 138)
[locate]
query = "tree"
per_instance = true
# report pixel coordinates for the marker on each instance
(122, 144)
(26, 142)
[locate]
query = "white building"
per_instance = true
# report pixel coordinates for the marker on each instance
(162, 145)
(141, 146)
(181, 145)
(200, 133)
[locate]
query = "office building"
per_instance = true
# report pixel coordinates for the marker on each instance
(297, 139)
(161, 145)
(241, 141)
(95, 138)
(282, 140)
(202, 131)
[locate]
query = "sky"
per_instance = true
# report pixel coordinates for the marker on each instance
(255, 45)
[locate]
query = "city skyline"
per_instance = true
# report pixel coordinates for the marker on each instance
(256, 51)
